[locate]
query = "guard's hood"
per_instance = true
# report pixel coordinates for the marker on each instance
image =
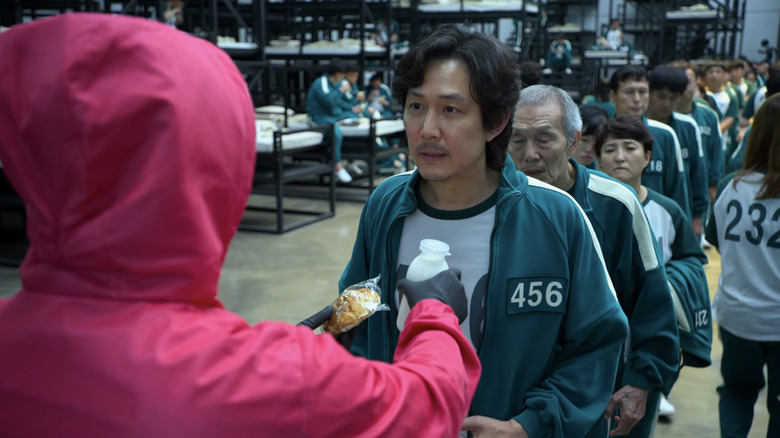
(132, 145)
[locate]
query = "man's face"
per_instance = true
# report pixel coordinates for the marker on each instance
(631, 98)
(663, 102)
(715, 77)
(538, 146)
(736, 74)
(351, 77)
(690, 90)
(444, 125)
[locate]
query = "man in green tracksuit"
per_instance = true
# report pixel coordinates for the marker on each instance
(546, 126)
(543, 315)
(324, 106)
(712, 141)
(715, 76)
(666, 172)
(667, 85)
(709, 127)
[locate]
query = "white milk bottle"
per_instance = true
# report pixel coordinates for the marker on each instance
(427, 264)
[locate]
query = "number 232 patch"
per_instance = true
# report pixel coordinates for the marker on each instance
(538, 294)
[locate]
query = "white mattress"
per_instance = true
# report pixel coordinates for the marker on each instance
(265, 138)
(606, 54)
(237, 46)
(309, 50)
(383, 127)
(478, 6)
(692, 15)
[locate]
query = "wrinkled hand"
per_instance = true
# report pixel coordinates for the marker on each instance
(319, 318)
(632, 402)
(444, 286)
(486, 427)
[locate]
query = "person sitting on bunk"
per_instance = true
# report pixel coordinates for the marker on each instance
(323, 107)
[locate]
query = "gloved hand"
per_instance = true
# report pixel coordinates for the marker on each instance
(444, 286)
(319, 318)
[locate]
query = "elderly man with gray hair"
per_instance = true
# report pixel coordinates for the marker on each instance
(545, 128)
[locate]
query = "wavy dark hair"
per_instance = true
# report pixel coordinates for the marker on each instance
(493, 70)
(763, 148)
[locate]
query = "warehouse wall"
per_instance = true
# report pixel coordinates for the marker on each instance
(762, 21)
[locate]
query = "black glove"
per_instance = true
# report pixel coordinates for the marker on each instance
(444, 286)
(318, 318)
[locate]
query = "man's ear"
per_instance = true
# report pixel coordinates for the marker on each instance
(492, 133)
(575, 141)
(612, 96)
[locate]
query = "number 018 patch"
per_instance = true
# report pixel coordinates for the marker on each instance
(538, 294)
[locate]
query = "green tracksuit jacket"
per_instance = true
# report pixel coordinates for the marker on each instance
(637, 272)
(666, 171)
(711, 140)
(549, 365)
(687, 131)
(684, 261)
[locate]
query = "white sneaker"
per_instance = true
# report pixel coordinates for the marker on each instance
(568, 71)
(547, 71)
(356, 169)
(343, 175)
(665, 409)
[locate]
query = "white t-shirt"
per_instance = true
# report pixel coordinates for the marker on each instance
(722, 100)
(747, 302)
(468, 233)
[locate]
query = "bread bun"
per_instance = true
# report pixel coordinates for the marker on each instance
(350, 309)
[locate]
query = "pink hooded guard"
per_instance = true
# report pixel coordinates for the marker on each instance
(132, 145)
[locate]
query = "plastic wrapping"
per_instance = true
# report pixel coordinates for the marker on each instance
(354, 305)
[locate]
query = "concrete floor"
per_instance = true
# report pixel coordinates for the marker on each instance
(288, 277)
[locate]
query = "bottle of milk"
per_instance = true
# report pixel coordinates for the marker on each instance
(427, 264)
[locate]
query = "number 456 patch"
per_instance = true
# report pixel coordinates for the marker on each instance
(538, 294)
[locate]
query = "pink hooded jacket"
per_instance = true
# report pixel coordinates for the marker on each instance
(132, 145)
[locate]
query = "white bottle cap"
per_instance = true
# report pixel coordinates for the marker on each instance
(434, 247)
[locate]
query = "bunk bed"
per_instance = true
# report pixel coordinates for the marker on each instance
(369, 140)
(285, 156)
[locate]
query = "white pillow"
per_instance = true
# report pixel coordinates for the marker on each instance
(273, 109)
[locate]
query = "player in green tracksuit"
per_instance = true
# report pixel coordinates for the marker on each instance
(744, 226)
(684, 261)
(709, 126)
(547, 334)
(712, 143)
(667, 153)
(546, 127)
(689, 136)
(640, 281)
(630, 91)
(624, 151)
(667, 85)
(324, 101)
(542, 313)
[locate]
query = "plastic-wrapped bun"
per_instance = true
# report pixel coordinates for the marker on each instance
(354, 305)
